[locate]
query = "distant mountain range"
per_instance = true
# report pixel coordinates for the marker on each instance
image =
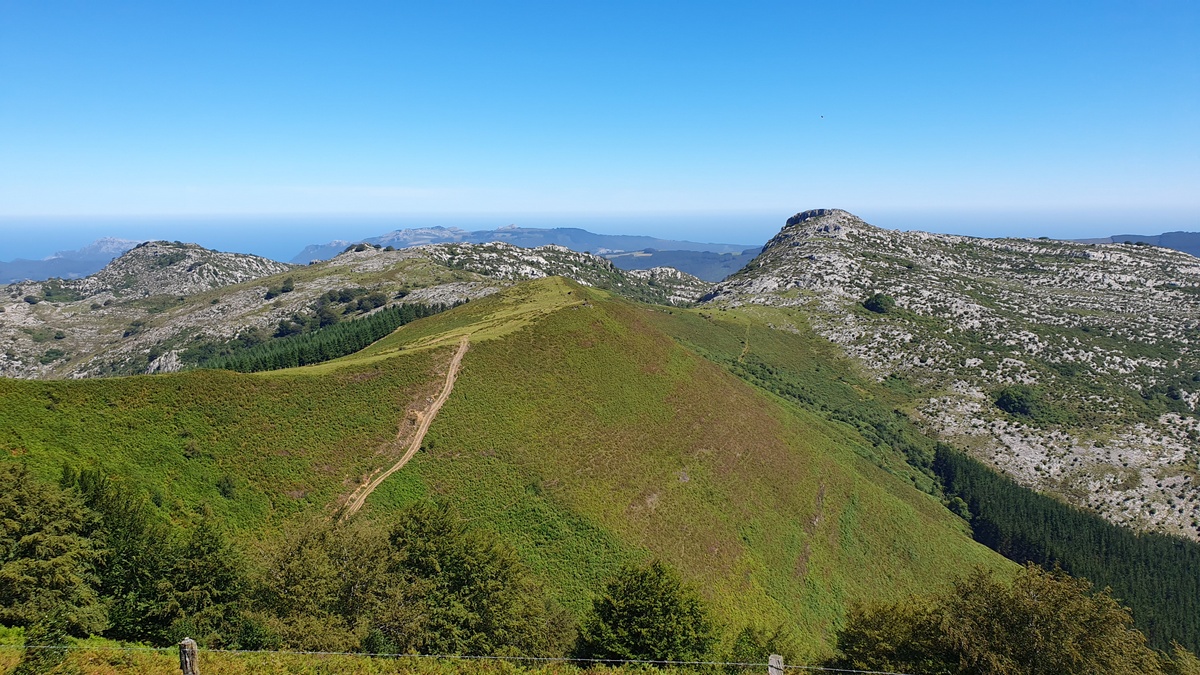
(1188, 242)
(66, 264)
(704, 265)
(708, 261)
(607, 245)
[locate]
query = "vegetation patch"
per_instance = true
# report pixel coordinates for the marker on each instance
(323, 344)
(1152, 573)
(880, 303)
(1029, 403)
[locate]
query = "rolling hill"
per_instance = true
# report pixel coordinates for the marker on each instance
(585, 430)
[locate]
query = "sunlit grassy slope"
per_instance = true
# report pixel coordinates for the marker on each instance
(581, 429)
(286, 441)
(589, 436)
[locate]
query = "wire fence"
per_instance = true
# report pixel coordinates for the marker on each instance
(465, 657)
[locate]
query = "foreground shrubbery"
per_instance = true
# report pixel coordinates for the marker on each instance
(1155, 574)
(1042, 622)
(89, 557)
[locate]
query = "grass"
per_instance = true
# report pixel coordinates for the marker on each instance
(585, 430)
(291, 441)
(590, 437)
(102, 657)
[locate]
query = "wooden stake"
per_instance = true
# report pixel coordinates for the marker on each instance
(775, 665)
(189, 658)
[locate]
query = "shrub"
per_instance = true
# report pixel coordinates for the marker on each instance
(1018, 400)
(647, 614)
(51, 356)
(880, 303)
(168, 259)
(1024, 401)
(1042, 622)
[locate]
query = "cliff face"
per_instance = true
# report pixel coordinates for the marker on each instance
(1096, 344)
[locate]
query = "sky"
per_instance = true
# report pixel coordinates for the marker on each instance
(704, 121)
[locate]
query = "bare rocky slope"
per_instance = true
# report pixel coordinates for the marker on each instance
(148, 307)
(1071, 367)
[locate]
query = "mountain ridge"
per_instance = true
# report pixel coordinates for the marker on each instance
(1188, 242)
(1093, 345)
(160, 302)
(576, 239)
(69, 264)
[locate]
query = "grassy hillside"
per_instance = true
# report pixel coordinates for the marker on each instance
(579, 430)
(591, 436)
(286, 441)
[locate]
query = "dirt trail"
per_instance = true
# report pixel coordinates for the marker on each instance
(424, 418)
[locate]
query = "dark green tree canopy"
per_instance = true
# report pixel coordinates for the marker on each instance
(47, 560)
(1042, 623)
(647, 614)
(880, 303)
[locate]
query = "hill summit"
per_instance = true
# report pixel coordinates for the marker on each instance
(1072, 367)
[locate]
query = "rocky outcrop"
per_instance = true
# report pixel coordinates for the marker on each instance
(1107, 335)
(499, 260)
(159, 267)
(143, 312)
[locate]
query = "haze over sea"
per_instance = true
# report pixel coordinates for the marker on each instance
(282, 237)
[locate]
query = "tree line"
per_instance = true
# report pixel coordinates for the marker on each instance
(91, 556)
(324, 343)
(1157, 575)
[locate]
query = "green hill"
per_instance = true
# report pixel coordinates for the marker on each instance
(585, 430)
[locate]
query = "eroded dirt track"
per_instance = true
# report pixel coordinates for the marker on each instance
(424, 419)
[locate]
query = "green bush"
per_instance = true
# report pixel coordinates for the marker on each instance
(647, 614)
(1030, 403)
(1019, 400)
(50, 356)
(1043, 622)
(880, 303)
(47, 560)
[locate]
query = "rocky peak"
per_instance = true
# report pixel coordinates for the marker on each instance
(830, 223)
(1105, 335)
(161, 267)
(808, 215)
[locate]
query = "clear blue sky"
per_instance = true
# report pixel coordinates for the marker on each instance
(966, 116)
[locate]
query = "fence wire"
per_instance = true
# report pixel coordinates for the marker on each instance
(460, 657)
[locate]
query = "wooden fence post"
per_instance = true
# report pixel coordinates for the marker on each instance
(189, 661)
(775, 665)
